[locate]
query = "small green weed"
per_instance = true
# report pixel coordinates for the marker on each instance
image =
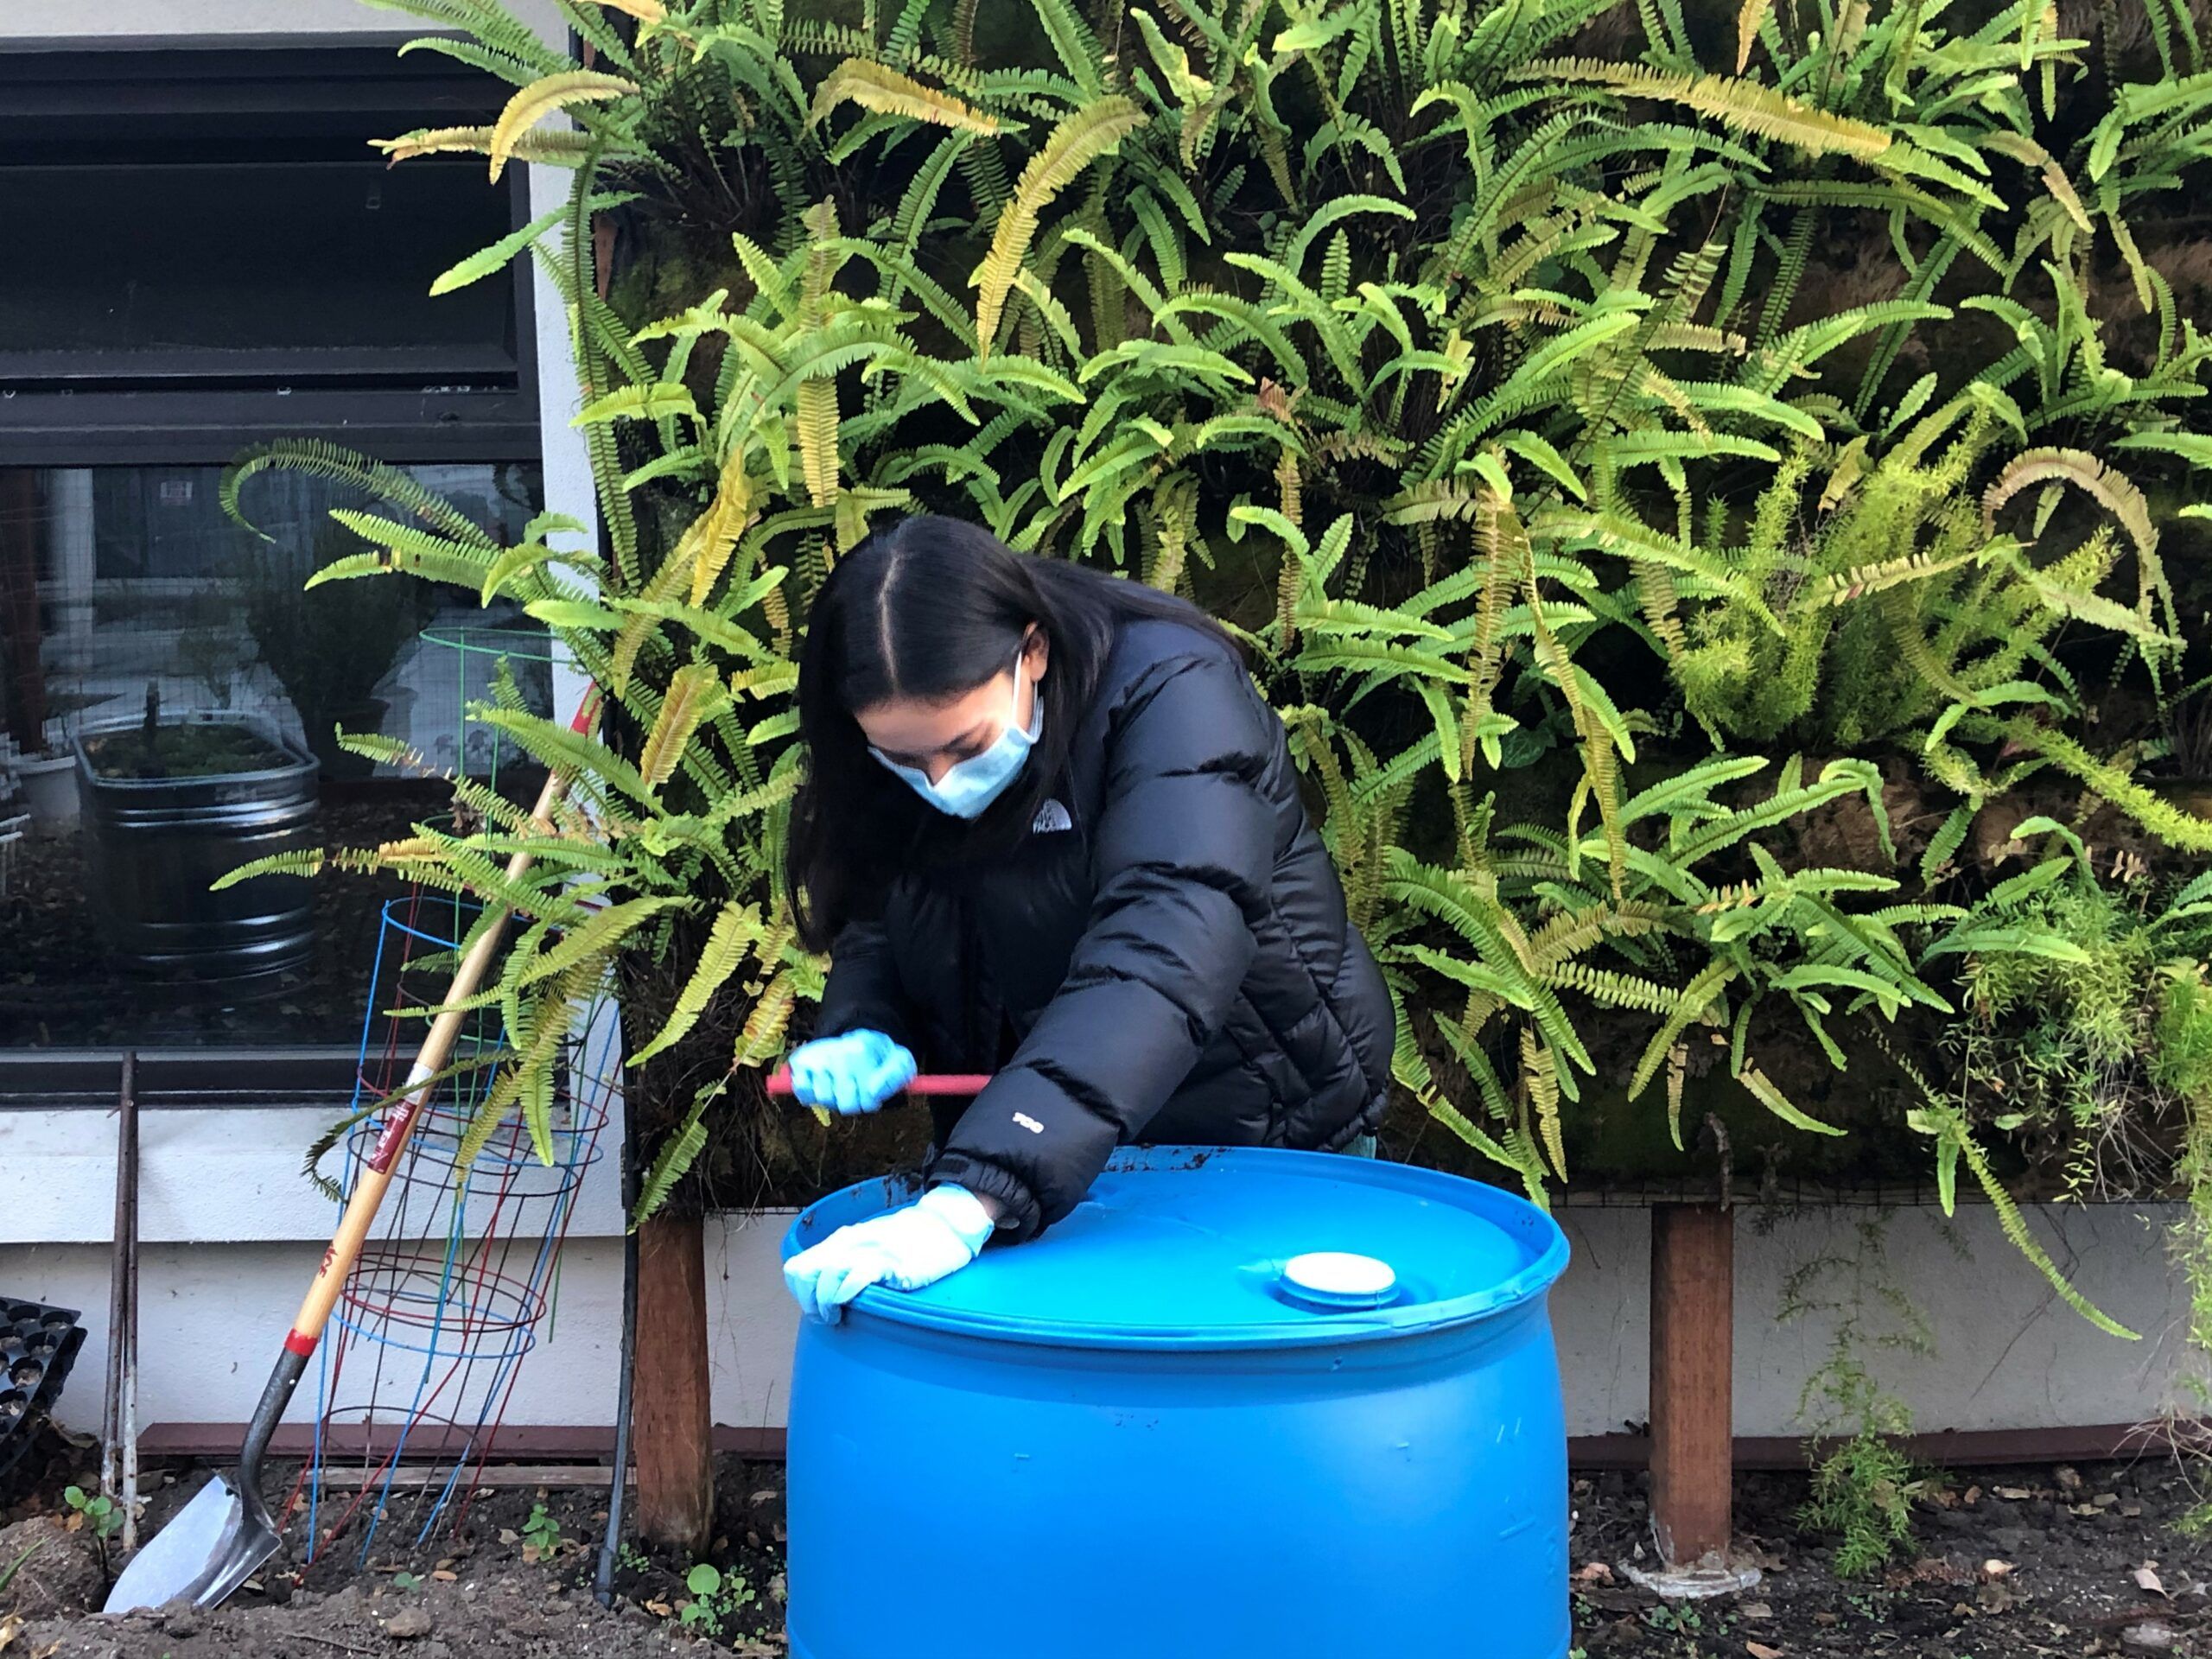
(630, 1559)
(1862, 1491)
(405, 1581)
(7, 1573)
(1675, 1621)
(541, 1533)
(96, 1515)
(1863, 1486)
(101, 1517)
(716, 1596)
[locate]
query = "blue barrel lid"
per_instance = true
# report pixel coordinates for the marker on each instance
(1186, 1247)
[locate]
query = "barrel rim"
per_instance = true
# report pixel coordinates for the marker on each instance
(268, 730)
(1509, 1211)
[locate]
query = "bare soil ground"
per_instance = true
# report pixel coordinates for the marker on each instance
(2005, 1564)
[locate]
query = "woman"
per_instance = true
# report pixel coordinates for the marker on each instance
(1050, 829)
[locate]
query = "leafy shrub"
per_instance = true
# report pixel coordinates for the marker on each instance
(1858, 1493)
(1863, 1484)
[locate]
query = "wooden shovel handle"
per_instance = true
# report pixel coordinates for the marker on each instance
(429, 1059)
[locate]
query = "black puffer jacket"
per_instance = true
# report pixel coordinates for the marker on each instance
(1173, 964)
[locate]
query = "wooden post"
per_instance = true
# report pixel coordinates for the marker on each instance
(673, 1420)
(1692, 1307)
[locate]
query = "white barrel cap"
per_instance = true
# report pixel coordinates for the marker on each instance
(1339, 1279)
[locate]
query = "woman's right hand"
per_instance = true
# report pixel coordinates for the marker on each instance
(853, 1072)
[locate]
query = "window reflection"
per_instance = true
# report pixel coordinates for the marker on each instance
(170, 697)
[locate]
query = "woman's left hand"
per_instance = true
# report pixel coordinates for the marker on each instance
(936, 1236)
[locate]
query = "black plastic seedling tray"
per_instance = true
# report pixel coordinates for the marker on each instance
(38, 1345)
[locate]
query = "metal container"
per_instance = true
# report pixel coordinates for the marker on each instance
(155, 846)
(1241, 1401)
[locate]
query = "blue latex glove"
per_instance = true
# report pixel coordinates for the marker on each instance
(938, 1234)
(851, 1073)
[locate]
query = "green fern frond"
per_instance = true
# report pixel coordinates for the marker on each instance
(677, 1153)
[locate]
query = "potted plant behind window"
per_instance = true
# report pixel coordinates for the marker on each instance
(330, 646)
(49, 792)
(170, 803)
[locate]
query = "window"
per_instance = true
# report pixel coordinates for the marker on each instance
(225, 261)
(173, 695)
(248, 272)
(221, 257)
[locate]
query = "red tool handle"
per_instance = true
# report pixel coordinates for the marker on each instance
(947, 1083)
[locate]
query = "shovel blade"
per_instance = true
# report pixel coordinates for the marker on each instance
(211, 1548)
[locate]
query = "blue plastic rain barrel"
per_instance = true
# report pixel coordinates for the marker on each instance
(1277, 1404)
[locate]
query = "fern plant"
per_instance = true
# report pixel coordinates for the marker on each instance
(1456, 369)
(1887, 607)
(1535, 927)
(663, 868)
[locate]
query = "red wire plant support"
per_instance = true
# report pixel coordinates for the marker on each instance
(450, 1290)
(460, 1270)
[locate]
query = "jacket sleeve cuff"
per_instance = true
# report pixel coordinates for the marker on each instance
(1019, 1217)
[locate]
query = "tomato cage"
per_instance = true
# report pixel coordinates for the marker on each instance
(460, 1273)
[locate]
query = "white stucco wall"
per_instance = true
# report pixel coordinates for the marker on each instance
(263, 23)
(2005, 1353)
(232, 1234)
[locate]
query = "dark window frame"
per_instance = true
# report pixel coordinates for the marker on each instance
(50, 1079)
(70, 104)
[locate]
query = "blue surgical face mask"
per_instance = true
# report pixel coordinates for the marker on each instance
(971, 785)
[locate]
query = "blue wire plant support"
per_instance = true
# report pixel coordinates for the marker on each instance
(452, 1287)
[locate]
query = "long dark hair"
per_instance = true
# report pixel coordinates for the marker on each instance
(931, 609)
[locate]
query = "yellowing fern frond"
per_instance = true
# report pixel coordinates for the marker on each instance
(763, 1036)
(694, 691)
(734, 930)
(885, 90)
(1744, 105)
(2112, 489)
(1539, 1072)
(713, 535)
(1091, 132)
(1678, 1063)
(533, 102)
(1747, 31)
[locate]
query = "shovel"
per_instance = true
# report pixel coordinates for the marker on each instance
(219, 1539)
